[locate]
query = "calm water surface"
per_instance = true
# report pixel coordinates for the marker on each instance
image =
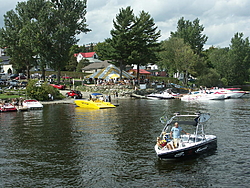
(66, 146)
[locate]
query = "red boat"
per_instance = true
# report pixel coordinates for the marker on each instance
(7, 108)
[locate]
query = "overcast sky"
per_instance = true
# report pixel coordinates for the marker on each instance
(221, 18)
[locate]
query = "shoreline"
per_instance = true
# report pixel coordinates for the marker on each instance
(68, 100)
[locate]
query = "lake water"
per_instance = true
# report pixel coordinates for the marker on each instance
(66, 146)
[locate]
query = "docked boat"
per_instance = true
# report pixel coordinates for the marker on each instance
(199, 95)
(7, 107)
(32, 104)
(189, 145)
(230, 93)
(167, 94)
(96, 101)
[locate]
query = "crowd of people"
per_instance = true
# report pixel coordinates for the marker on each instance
(15, 102)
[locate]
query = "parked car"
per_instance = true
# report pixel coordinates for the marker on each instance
(66, 77)
(52, 76)
(58, 86)
(75, 94)
(13, 76)
(2, 81)
(21, 77)
(14, 83)
(23, 84)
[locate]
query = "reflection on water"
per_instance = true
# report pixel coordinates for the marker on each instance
(68, 146)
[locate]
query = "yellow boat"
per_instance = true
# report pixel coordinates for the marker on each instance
(95, 101)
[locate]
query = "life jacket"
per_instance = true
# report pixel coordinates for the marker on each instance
(163, 143)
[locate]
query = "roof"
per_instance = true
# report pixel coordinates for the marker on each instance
(96, 65)
(4, 58)
(86, 55)
(108, 72)
(141, 71)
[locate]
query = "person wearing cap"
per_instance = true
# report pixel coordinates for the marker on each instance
(175, 133)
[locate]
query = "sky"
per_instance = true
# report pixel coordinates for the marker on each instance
(221, 18)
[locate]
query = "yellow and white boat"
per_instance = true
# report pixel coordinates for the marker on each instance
(96, 101)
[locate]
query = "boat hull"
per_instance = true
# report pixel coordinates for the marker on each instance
(164, 95)
(8, 108)
(32, 104)
(230, 93)
(192, 151)
(203, 97)
(94, 104)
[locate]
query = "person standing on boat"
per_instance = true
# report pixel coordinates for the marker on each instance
(175, 133)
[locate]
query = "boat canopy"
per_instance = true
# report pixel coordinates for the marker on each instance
(95, 94)
(194, 122)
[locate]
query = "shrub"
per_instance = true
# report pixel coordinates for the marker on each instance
(41, 92)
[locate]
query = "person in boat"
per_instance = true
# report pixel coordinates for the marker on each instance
(175, 133)
(101, 98)
(163, 143)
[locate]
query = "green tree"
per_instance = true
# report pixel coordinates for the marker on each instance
(144, 41)
(104, 50)
(134, 39)
(239, 60)
(209, 78)
(121, 37)
(68, 20)
(18, 36)
(191, 32)
(232, 63)
(179, 57)
(42, 33)
(43, 30)
(81, 64)
(219, 59)
(71, 64)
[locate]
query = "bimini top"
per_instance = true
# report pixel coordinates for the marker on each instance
(198, 118)
(95, 94)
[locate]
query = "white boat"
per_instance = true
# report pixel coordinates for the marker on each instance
(230, 93)
(7, 107)
(32, 104)
(199, 95)
(167, 94)
(190, 145)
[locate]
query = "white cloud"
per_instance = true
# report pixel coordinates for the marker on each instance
(221, 18)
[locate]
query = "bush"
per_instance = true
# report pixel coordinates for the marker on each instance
(41, 92)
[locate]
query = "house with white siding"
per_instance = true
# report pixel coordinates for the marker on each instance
(90, 56)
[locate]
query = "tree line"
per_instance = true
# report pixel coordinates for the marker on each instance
(44, 33)
(41, 33)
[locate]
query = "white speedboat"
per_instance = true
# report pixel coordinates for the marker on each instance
(32, 104)
(199, 95)
(190, 145)
(230, 93)
(167, 94)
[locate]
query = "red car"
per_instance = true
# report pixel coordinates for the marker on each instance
(75, 94)
(58, 86)
(66, 77)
